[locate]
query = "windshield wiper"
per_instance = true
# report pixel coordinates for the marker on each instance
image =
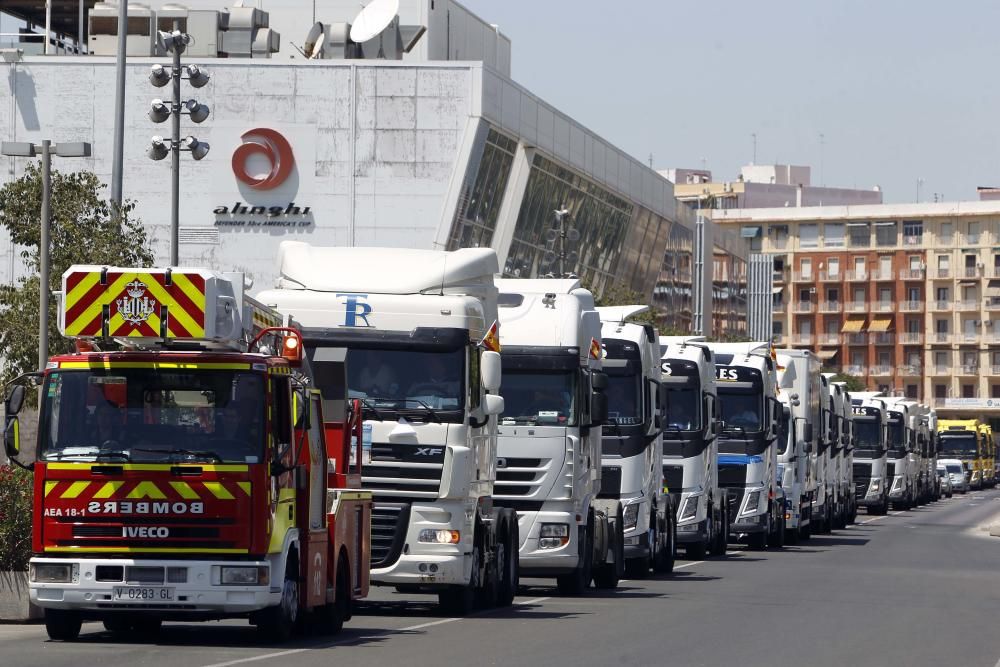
(94, 452)
(204, 454)
(370, 405)
(428, 410)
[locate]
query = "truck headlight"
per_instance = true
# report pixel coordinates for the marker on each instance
(244, 575)
(631, 516)
(876, 485)
(690, 510)
(432, 536)
(753, 501)
(53, 573)
(553, 535)
(897, 484)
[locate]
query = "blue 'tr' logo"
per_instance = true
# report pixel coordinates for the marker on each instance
(355, 310)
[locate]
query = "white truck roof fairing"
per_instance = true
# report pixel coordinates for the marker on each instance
(549, 313)
(618, 314)
(743, 350)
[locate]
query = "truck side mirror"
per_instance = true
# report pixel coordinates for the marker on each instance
(598, 381)
(12, 437)
(15, 400)
(489, 371)
(493, 404)
(598, 408)
(807, 432)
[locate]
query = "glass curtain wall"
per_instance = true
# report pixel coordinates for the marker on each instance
(482, 195)
(673, 296)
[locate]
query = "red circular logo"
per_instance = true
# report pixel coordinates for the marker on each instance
(274, 147)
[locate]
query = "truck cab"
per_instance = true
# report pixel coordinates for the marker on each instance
(799, 383)
(868, 415)
(901, 462)
(689, 407)
(422, 345)
(845, 450)
(746, 383)
(961, 439)
(632, 446)
(549, 444)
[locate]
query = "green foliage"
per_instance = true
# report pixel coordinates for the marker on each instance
(852, 382)
(620, 295)
(85, 230)
(15, 518)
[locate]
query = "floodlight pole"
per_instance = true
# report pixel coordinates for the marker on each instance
(175, 157)
(43, 252)
(118, 158)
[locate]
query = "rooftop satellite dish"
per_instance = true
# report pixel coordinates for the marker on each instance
(313, 46)
(373, 19)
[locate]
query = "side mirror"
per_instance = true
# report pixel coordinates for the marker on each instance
(489, 371)
(598, 408)
(598, 381)
(492, 403)
(12, 437)
(15, 400)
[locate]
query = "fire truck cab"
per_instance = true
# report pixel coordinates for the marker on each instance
(195, 472)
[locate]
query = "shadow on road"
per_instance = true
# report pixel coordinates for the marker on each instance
(836, 540)
(225, 636)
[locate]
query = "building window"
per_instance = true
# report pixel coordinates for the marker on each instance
(968, 391)
(885, 234)
(911, 391)
(809, 235)
(944, 266)
(833, 267)
(973, 236)
(482, 194)
(779, 327)
(833, 234)
(859, 235)
(940, 391)
(941, 326)
(946, 233)
(913, 232)
(995, 391)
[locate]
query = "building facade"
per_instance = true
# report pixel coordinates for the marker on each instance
(906, 297)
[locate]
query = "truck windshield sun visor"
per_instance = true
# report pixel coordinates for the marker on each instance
(423, 338)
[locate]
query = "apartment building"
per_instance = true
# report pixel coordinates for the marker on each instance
(904, 296)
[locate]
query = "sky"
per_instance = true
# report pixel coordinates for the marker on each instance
(901, 90)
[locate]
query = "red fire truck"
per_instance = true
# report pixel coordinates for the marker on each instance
(196, 472)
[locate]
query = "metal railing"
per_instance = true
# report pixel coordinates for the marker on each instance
(939, 337)
(940, 370)
(965, 306)
(994, 370)
(969, 369)
(802, 339)
(855, 370)
(883, 274)
(884, 307)
(971, 272)
(911, 338)
(909, 370)
(881, 370)
(832, 307)
(911, 306)
(882, 338)
(828, 277)
(941, 305)
(803, 276)
(912, 274)
(804, 307)
(856, 338)
(941, 273)
(828, 338)
(856, 276)
(856, 307)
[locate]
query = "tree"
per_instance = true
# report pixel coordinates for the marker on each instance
(851, 382)
(85, 229)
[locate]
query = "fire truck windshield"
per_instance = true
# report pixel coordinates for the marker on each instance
(152, 415)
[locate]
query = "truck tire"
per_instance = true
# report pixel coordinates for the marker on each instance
(330, 618)
(607, 575)
(63, 624)
(664, 559)
(577, 581)
(511, 566)
(721, 531)
(696, 551)
(461, 600)
(777, 538)
(277, 623)
(757, 541)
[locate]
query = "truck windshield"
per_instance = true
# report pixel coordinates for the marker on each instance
(954, 468)
(683, 407)
(741, 408)
(539, 398)
(152, 415)
(965, 443)
(408, 381)
(624, 397)
(867, 434)
(894, 434)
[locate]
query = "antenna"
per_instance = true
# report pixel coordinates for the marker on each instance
(312, 48)
(373, 19)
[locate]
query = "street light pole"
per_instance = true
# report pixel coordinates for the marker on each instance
(43, 251)
(175, 139)
(117, 160)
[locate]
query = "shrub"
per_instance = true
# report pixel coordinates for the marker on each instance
(15, 518)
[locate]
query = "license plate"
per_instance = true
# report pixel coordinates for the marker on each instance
(143, 594)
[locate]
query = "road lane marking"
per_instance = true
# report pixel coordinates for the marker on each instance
(697, 562)
(255, 658)
(420, 626)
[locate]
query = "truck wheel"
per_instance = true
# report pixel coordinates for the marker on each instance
(510, 567)
(778, 541)
(663, 561)
(721, 531)
(695, 551)
(607, 575)
(63, 624)
(757, 541)
(461, 600)
(277, 623)
(577, 581)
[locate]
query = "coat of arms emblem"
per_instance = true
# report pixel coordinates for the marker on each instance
(137, 306)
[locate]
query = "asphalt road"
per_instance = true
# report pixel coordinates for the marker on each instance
(912, 588)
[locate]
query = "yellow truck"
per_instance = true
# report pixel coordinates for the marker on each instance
(988, 459)
(963, 439)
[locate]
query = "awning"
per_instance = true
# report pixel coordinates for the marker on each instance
(880, 324)
(857, 224)
(750, 232)
(777, 290)
(853, 326)
(992, 289)
(885, 224)
(827, 354)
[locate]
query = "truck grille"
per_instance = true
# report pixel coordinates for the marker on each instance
(735, 497)
(732, 475)
(404, 470)
(861, 487)
(389, 521)
(611, 482)
(673, 477)
(520, 478)
(890, 469)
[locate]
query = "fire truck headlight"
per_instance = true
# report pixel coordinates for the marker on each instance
(244, 576)
(53, 573)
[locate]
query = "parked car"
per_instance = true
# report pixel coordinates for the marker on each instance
(946, 488)
(956, 474)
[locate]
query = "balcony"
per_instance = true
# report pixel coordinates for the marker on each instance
(941, 274)
(804, 307)
(883, 274)
(941, 305)
(939, 337)
(967, 338)
(802, 339)
(911, 306)
(912, 274)
(856, 338)
(779, 339)
(856, 276)
(966, 306)
(836, 307)
(992, 306)
(780, 243)
(968, 369)
(828, 277)
(909, 370)
(856, 370)
(803, 277)
(828, 339)
(883, 338)
(779, 277)
(911, 338)
(881, 370)
(971, 272)
(883, 307)
(940, 370)
(994, 370)
(856, 307)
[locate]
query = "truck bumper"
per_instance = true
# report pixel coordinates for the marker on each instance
(637, 546)
(200, 593)
(692, 533)
(549, 561)
(750, 524)
(425, 570)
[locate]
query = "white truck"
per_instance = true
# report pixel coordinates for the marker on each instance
(420, 330)
(836, 503)
(868, 415)
(689, 406)
(902, 466)
(549, 446)
(799, 381)
(843, 448)
(823, 500)
(746, 383)
(930, 436)
(632, 447)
